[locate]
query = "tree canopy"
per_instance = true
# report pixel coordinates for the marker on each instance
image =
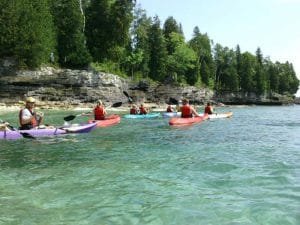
(120, 36)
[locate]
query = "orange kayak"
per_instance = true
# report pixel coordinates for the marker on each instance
(179, 121)
(108, 121)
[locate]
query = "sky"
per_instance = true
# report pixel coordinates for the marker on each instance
(271, 25)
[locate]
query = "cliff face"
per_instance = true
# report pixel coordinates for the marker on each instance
(64, 87)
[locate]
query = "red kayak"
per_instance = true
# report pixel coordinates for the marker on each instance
(108, 121)
(179, 121)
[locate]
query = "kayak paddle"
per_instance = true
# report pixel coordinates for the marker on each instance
(72, 117)
(127, 95)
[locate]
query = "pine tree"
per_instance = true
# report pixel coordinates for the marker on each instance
(158, 52)
(171, 26)
(28, 32)
(200, 43)
(69, 21)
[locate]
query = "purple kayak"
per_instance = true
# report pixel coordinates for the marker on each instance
(46, 132)
(82, 128)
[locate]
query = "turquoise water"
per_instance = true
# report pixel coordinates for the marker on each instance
(242, 170)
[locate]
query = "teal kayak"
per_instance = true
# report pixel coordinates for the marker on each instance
(142, 116)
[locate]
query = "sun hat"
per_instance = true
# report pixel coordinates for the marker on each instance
(30, 100)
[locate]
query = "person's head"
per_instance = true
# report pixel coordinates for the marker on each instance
(185, 101)
(142, 105)
(134, 106)
(30, 101)
(208, 104)
(99, 102)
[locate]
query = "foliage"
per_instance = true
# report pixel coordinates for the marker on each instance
(120, 38)
(27, 31)
(107, 67)
(158, 52)
(69, 22)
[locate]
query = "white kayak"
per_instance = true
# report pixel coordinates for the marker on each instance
(171, 114)
(219, 115)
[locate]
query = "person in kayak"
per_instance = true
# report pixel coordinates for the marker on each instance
(209, 109)
(187, 111)
(143, 109)
(170, 109)
(134, 110)
(27, 117)
(99, 111)
(4, 126)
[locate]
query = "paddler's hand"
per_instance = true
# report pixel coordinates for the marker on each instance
(40, 114)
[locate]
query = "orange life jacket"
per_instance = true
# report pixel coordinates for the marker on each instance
(186, 111)
(31, 124)
(99, 113)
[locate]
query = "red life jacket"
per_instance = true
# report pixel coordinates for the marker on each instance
(186, 111)
(31, 124)
(143, 110)
(133, 111)
(99, 113)
(169, 109)
(208, 110)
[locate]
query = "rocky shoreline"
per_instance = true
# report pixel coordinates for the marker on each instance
(69, 89)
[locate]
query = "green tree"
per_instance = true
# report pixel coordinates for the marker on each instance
(182, 62)
(98, 29)
(171, 26)
(8, 27)
(28, 32)
(140, 40)
(226, 77)
(69, 21)
(248, 66)
(158, 52)
(273, 74)
(260, 77)
(107, 29)
(201, 44)
(238, 64)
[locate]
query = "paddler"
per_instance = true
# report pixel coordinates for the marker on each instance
(187, 111)
(28, 117)
(143, 109)
(134, 110)
(169, 109)
(209, 109)
(99, 111)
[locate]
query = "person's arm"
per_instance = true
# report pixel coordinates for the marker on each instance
(25, 117)
(194, 112)
(39, 117)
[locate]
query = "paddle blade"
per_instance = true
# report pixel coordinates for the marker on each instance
(127, 95)
(69, 118)
(117, 104)
(26, 135)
